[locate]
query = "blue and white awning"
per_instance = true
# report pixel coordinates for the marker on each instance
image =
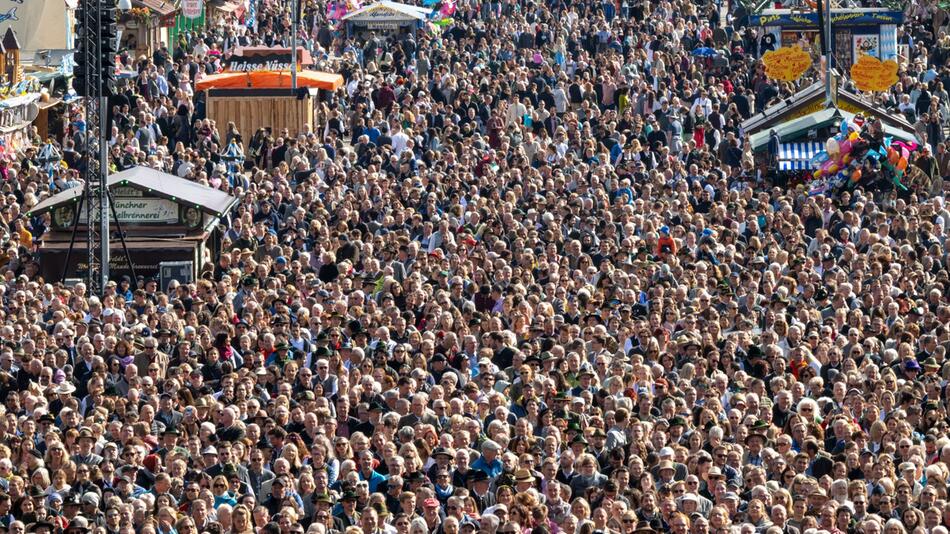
(797, 156)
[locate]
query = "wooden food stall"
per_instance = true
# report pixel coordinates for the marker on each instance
(146, 26)
(164, 218)
(262, 99)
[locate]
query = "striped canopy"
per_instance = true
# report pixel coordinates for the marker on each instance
(797, 156)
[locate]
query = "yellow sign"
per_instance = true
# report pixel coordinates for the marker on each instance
(871, 74)
(819, 105)
(786, 64)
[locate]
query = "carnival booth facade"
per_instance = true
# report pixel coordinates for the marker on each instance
(387, 17)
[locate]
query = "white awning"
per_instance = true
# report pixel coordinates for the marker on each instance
(386, 11)
(797, 156)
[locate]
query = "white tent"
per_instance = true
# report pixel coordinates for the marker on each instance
(44, 25)
(386, 14)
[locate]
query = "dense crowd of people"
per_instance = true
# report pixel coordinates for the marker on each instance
(525, 278)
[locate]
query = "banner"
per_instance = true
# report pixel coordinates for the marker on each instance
(279, 61)
(251, 19)
(192, 9)
(872, 74)
(851, 17)
(786, 64)
(142, 210)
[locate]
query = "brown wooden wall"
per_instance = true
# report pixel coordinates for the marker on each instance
(251, 113)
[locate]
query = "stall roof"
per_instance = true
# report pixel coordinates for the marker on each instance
(800, 126)
(268, 79)
(227, 5)
(393, 11)
(250, 51)
(160, 7)
(785, 17)
(817, 90)
(164, 185)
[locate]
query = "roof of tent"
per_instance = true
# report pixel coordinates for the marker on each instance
(793, 129)
(160, 184)
(812, 93)
(387, 11)
(270, 79)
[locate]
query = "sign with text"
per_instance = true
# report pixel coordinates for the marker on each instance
(274, 61)
(786, 64)
(192, 9)
(143, 210)
(872, 74)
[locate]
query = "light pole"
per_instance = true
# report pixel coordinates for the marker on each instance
(104, 198)
(294, 21)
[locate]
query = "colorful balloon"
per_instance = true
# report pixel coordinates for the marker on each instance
(845, 147)
(853, 136)
(909, 145)
(831, 146)
(901, 164)
(893, 156)
(856, 176)
(819, 158)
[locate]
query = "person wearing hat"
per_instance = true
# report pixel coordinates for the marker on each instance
(597, 444)
(347, 515)
(666, 471)
(41, 527)
(911, 369)
(78, 525)
(578, 444)
(585, 382)
(469, 525)
(89, 503)
(443, 461)
(524, 480)
(755, 442)
(87, 441)
(431, 513)
(479, 484)
(489, 461)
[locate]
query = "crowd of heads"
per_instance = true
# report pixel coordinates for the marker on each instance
(525, 277)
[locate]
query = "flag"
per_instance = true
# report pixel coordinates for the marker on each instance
(251, 20)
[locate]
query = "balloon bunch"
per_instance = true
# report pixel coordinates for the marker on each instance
(845, 155)
(895, 156)
(441, 15)
(337, 9)
(839, 162)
